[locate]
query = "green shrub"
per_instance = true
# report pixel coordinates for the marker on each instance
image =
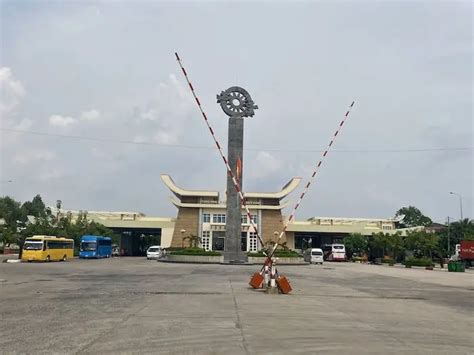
(388, 261)
(409, 262)
(194, 251)
(362, 259)
(278, 254)
(174, 249)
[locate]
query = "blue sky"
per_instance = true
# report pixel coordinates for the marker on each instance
(106, 70)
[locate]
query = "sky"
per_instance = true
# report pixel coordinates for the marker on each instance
(94, 106)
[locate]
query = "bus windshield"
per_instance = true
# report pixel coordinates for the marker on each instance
(33, 246)
(339, 247)
(85, 246)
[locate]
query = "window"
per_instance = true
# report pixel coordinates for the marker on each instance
(33, 245)
(253, 242)
(218, 218)
(105, 242)
(243, 219)
(206, 239)
(254, 218)
(88, 246)
(206, 218)
(59, 245)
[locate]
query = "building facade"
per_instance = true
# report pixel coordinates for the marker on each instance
(202, 214)
(201, 217)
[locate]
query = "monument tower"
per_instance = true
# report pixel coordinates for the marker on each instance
(237, 104)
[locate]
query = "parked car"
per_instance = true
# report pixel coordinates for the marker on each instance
(314, 256)
(154, 252)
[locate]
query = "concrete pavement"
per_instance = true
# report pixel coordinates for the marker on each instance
(131, 305)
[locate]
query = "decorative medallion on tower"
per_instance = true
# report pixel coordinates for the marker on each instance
(236, 102)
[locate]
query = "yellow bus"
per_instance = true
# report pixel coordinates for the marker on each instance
(47, 248)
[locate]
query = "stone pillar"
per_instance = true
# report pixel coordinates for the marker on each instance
(232, 248)
(236, 103)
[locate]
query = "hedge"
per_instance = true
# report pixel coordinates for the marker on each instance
(195, 251)
(278, 253)
(409, 262)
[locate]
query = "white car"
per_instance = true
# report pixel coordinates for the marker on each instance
(154, 252)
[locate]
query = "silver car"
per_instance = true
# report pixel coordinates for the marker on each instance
(154, 252)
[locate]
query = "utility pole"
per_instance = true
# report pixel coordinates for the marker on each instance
(449, 238)
(460, 201)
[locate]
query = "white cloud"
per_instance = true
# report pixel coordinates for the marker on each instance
(12, 91)
(91, 115)
(61, 121)
(51, 174)
(139, 139)
(166, 117)
(24, 124)
(149, 115)
(28, 157)
(264, 165)
(164, 137)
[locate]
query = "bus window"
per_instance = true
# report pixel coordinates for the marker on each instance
(33, 245)
(88, 246)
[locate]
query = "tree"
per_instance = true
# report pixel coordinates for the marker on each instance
(379, 244)
(456, 231)
(36, 208)
(356, 243)
(395, 244)
(412, 217)
(16, 227)
(14, 220)
(422, 243)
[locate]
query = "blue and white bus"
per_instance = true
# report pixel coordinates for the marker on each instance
(94, 246)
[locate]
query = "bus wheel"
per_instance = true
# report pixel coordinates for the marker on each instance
(48, 259)
(65, 258)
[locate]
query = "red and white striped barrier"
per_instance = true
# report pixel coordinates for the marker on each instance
(308, 184)
(229, 170)
(268, 262)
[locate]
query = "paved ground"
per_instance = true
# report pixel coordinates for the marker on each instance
(131, 305)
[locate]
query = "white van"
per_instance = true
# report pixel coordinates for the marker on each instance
(334, 252)
(314, 256)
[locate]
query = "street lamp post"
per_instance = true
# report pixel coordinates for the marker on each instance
(460, 201)
(449, 237)
(182, 237)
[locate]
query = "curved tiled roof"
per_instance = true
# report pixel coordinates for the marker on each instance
(180, 192)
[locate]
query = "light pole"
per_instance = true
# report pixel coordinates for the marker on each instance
(58, 206)
(449, 237)
(182, 231)
(460, 201)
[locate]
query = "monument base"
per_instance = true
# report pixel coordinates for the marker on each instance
(232, 257)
